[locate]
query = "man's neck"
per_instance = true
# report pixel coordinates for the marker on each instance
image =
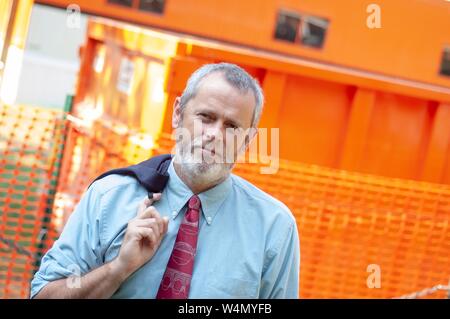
(193, 184)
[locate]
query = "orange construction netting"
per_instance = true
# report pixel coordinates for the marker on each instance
(31, 141)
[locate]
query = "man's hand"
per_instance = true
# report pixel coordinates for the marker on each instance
(142, 238)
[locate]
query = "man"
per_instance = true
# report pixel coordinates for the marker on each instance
(210, 234)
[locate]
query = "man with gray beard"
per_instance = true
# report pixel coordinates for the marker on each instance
(209, 234)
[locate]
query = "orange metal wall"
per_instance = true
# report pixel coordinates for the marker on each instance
(313, 121)
(408, 45)
(336, 118)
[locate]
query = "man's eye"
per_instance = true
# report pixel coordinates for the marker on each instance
(204, 116)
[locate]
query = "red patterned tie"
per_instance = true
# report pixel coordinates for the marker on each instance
(176, 281)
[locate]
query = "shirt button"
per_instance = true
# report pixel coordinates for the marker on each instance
(174, 213)
(208, 219)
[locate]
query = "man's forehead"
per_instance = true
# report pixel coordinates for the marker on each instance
(212, 80)
(217, 82)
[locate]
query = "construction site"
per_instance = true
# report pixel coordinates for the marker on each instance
(359, 92)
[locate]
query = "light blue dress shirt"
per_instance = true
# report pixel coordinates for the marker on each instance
(248, 245)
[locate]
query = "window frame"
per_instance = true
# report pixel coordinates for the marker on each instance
(300, 35)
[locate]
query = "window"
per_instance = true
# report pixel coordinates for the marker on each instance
(287, 27)
(156, 6)
(302, 29)
(125, 3)
(313, 31)
(445, 64)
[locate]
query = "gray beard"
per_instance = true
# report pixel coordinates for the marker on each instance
(201, 173)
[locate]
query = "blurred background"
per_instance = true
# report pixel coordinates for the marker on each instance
(360, 91)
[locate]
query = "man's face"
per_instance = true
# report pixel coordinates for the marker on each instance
(217, 110)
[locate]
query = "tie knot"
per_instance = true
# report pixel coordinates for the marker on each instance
(194, 202)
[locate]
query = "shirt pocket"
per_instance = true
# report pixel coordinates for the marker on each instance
(225, 287)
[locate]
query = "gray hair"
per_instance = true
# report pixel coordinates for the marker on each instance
(235, 76)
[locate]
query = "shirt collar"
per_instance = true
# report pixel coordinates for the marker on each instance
(178, 193)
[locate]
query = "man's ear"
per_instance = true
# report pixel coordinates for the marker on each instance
(176, 116)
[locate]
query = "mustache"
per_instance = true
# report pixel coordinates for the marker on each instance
(214, 147)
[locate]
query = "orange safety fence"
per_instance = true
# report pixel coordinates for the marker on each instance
(31, 141)
(348, 222)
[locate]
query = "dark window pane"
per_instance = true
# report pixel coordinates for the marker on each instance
(313, 31)
(125, 3)
(156, 6)
(445, 64)
(287, 26)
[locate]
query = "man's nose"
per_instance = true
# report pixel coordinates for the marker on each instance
(214, 132)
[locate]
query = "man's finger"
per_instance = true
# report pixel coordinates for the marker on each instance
(142, 206)
(166, 224)
(161, 226)
(148, 202)
(150, 223)
(149, 212)
(153, 196)
(147, 233)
